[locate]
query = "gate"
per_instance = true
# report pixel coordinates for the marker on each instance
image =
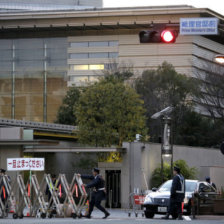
(113, 187)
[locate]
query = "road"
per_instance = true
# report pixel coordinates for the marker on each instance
(117, 217)
(100, 221)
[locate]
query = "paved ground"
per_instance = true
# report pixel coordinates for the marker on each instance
(117, 217)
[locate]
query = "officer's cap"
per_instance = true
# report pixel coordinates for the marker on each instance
(96, 170)
(2, 170)
(207, 178)
(177, 169)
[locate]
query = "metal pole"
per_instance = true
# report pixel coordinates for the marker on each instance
(171, 129)
(13, 82)
(162, 141)
(45, 85)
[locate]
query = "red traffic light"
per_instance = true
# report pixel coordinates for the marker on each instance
(168, 36)
(158, 36)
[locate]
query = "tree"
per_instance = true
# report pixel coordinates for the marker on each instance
(161, 88)
(186, 171)
(66, 113)
(109, 112)
(199, 130)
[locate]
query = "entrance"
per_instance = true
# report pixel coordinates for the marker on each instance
(113, 186)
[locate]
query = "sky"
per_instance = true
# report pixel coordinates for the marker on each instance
(216, 5)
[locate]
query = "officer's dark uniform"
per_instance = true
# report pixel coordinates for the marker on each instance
(177, 195)
(208, 180)
(98, 194)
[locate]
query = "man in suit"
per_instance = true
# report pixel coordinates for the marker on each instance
(177, 195)
(98, 186)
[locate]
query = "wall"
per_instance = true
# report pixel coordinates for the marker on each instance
(140, 160)
(208, 161)
(9, 152)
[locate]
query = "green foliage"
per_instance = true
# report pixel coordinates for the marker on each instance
(109, 112)
(187, 172)
(198, 130)
(65, 113)
(165, 87)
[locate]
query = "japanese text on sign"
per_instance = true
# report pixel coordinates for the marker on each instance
(199, 26)
(17, 164)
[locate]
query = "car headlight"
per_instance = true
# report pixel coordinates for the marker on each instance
(148, 199)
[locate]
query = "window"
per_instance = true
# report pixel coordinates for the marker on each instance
(81, 67)
(93, 55)
(88, 67)
(98, 44)
(79, 44)
(98, 55)
(113, 54)
(79, 78)
(78, 56)
(113, 43)
(96, 67)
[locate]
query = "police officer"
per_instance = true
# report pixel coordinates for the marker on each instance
(177, 195)
(98, 185)
(208, 180)
(53, 186)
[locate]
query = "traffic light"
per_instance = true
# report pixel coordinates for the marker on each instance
(158, 36)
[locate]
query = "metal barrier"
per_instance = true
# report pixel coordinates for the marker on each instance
(202, 204)
(16, 196)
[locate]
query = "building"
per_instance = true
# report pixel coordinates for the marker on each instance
(44, 50)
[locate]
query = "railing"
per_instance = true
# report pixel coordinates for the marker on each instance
(38, 125)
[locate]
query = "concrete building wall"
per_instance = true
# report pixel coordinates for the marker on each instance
(9, 152)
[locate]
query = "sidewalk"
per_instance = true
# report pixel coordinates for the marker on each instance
(210, 217)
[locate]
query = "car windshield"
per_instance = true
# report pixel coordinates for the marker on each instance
(190, 186)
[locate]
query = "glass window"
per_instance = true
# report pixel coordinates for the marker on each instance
(94, 78)
(191, 186)
(98, 44)
(98, 55)
(166, 186)
(81, 67)
(113, 43)
(78, 55)
(96, 67)
(79, 78)
(113, 54)
(79, 44)
(5, 55)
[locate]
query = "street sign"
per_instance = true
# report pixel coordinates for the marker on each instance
(199, 26)
(19, 164)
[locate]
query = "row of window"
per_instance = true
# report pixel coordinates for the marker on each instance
(93, 55)
(87, 67)
(78, 79)
(112, 43)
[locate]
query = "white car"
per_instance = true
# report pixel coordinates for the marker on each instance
(157, 201)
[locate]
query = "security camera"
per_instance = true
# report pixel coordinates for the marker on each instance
(164, 112)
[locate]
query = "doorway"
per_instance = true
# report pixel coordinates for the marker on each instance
(113, 187)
